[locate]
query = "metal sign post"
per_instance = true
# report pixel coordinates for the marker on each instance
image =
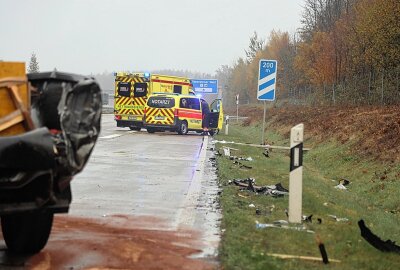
(265, 110)
(266, 84)
(296, 174)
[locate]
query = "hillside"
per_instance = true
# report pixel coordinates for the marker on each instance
(374, 132)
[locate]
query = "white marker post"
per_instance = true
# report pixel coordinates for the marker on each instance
(226, 124)
(296, 174)
(237, 108)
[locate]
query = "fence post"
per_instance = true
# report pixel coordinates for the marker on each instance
(369, 87)
(383, 74)
(333, 94)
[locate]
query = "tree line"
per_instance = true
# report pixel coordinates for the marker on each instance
(345, 52)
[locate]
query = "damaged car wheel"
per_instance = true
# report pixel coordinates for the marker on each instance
(26, 233)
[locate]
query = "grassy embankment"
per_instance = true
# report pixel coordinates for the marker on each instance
(373, 195)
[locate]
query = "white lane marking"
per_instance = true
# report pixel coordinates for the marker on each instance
(112, 136)
(186, 214)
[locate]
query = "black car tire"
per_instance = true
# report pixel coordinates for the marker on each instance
(26, 233)
(183, 128)
(150, 130)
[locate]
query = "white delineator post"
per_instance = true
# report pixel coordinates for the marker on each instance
(237, 108)
(296, 174)
(226, 124)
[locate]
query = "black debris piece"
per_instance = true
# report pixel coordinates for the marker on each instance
(322, 250)
(375, 241)
(241, 165)
(319, 220)
(276, 190)
(344, 181)
(280, 187)
(308, 218)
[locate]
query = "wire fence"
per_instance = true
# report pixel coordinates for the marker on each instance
(370, 88)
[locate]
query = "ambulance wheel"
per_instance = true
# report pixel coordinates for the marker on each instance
(150, 130)
(26, 233)
(135, 128)
(183, 128)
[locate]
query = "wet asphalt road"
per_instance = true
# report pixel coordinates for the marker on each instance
(163, 179)
(137, 173)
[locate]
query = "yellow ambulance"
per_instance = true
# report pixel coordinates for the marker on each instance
(182, 113)
(132, 91)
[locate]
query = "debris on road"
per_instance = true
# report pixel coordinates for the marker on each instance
(242, 196)
(241, 165)
(266, 152)
(339, 219)
(252, 205)
(375, 241)
(307, 218)
(240, 158)
(322, 250)
(344, 181)
(276, 190)
(283, 224)
(308, 258)
(223, 142)
(227, 151)
(341, 187)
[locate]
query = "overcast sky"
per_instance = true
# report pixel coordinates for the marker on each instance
(93, 36)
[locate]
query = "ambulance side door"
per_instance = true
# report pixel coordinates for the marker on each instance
(216, 114)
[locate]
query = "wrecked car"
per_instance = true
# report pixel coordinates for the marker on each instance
(61, 126)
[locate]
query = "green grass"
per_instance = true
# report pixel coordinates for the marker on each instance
(368, 196)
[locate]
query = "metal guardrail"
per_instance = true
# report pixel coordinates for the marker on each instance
(234, 117)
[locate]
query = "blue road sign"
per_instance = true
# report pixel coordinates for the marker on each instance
(267, 80)
(205, 86)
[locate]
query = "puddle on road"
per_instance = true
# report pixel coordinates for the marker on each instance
(114, 242)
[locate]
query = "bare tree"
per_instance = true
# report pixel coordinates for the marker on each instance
(255, 46)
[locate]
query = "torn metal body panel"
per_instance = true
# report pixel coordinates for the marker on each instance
(29, 151)
(37, 166)
(39, 159)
